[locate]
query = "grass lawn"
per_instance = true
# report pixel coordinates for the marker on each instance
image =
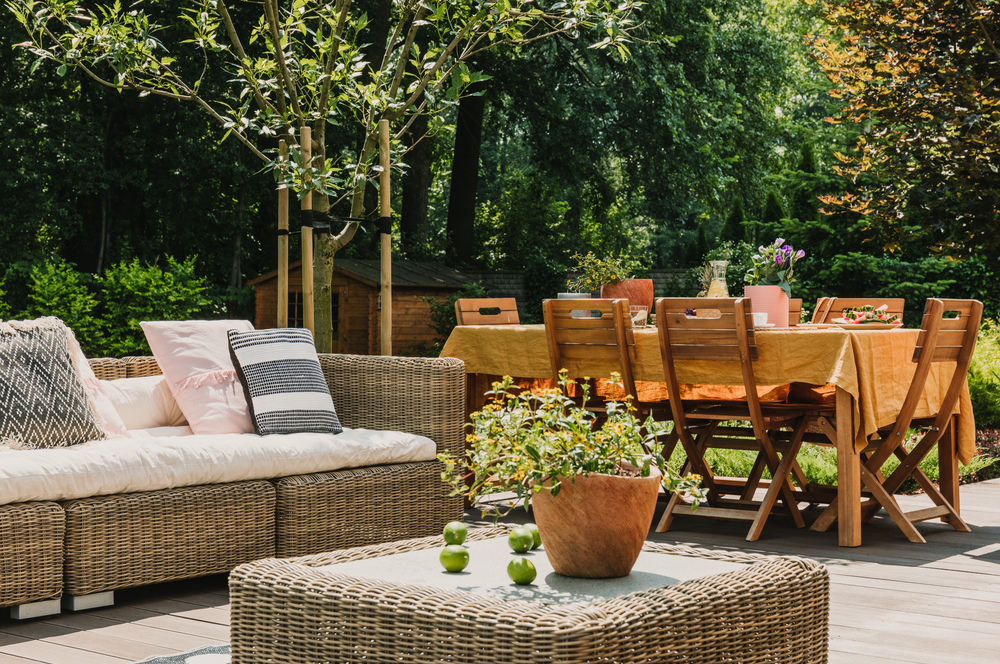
(820, 463)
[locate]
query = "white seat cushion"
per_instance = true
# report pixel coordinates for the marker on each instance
(149, 461)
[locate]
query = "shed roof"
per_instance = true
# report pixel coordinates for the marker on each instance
(413, 274)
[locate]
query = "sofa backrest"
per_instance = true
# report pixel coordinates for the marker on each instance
(112, 368)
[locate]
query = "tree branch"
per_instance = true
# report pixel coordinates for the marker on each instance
(411, 35)
(324, 95)
(271, 10)
(241, 54)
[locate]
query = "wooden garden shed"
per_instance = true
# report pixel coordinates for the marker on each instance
(356, 302)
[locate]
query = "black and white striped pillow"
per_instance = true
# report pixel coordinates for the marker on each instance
(283, 382)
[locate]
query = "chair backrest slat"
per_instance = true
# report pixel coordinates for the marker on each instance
(487, 311)
(834, 307)
(935, 345)
(794, 311)
(705, 353)
(726, 338)
(708, 333)
(593, 346)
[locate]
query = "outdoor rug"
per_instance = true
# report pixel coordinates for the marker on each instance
(203, 655)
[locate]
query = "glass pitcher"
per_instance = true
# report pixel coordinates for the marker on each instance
(717, 287)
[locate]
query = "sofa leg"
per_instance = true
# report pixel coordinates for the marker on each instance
(49, 607)
(84, 602)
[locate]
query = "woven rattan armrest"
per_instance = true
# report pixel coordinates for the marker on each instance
(420, 395)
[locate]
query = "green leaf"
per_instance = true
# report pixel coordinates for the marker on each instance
(61, 70)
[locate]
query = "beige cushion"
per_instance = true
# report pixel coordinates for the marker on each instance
(148, 461)
(144, 403)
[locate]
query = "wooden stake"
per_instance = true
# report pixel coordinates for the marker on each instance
(386, 213)
(282, 242)
(308, 315)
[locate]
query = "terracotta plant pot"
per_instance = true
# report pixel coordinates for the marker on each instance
(595, 527)
(638, 292)
(771, 300)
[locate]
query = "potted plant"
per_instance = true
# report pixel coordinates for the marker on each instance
(593, 488)
(614, 277)
(770, 278)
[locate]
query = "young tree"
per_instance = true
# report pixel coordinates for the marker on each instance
(735, 230)
(310, 63)
(921, 78)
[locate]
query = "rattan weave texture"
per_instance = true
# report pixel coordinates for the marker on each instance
(31, 547)
(108, 368)
(350, 508)
(420, 395)
(776, 609)
(136, 539)
(136, 367)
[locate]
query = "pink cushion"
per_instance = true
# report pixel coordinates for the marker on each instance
(194, 356)
(104, 410)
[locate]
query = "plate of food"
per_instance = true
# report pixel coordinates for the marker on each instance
(868, 317)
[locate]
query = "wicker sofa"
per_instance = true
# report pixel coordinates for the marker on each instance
(82, 550)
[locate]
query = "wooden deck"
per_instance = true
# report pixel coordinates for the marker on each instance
(892, 601)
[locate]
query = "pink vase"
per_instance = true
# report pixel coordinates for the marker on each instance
(638, 292)
(771, 300)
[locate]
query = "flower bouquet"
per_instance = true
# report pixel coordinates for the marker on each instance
(774, 266)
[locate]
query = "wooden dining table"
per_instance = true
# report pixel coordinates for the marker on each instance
(866, 372)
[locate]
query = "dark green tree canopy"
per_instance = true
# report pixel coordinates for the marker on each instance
(921, 77)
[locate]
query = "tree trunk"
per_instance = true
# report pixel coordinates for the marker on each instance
(104, 232)
(416, 188)
(465, 177)
(236, 273)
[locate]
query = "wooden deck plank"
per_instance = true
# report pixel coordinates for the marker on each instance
(136, 632)
(891, 601)
(14, 659)
(53, 653)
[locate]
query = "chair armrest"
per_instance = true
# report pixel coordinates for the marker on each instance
(419, 395)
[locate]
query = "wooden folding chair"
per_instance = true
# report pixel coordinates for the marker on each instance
(487, 311)
(595, 346)
(941, 340)
(728, 338)
(794, 311)
(828, 308)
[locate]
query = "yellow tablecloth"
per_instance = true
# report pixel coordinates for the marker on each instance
(874, 366)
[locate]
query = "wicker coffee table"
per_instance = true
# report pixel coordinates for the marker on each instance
(393, 603)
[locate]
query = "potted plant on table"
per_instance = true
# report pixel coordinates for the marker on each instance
(593, 488)
(615, 277)
(770, 278)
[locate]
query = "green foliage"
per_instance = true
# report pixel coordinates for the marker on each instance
(531, 441)
(735, 230)
(984, 377)
(134, 292)
(443, 319)
(57, 289)
(596, 272)
(773, 212)
(921, 80)
(543, 279)
(698, 248)
(4, 307)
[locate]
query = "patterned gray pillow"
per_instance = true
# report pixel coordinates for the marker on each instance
(42, 399)
(283, 381)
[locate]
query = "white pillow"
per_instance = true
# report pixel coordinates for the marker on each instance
(145, 402)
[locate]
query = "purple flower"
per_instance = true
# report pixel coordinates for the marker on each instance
(779, 241)
(800, 254)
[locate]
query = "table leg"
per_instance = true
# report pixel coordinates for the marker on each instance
(848, 474)
(948, 467)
